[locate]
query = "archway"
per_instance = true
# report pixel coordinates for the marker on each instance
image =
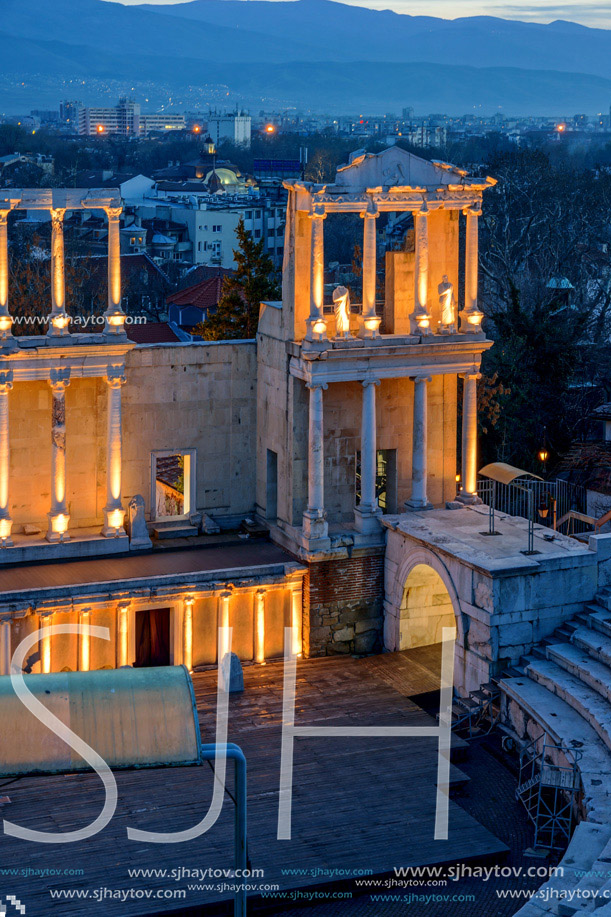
(426, 608)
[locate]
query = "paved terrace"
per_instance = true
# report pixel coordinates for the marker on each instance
(153, 569)
(460, 534)
(358, 803)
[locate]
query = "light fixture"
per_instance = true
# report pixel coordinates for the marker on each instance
(6, 323)
(59, 524)
(5, 532)
(115, 519)
(60, 321)
(319, 328)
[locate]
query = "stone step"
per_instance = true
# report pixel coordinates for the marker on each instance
(595, 643)
(587, 844)
(600, 621)
(595, 709)
(174, 530)
(566, 726)
(579, 663)
(603, 597)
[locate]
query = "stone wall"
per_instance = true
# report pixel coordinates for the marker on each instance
(343, 606)
(202, 397)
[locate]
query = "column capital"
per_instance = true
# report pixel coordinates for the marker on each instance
(189, 600)
(366, 382)
(473, 375)
(57, 216)
(59, 378)
(474, 210)
(114, 214)
(423, 211)
(6, 380)
(370, 212)
(315, 384)
(422, 378)
(318, 212)
(260, 593)
(115, 376)
(4, 216)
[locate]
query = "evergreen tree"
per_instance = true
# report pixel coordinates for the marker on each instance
(254, 280)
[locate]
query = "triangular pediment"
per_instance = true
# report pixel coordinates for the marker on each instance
(395, 167)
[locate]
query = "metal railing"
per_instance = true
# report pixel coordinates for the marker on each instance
(549, 501)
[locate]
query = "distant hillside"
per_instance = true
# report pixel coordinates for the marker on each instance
(315, 53)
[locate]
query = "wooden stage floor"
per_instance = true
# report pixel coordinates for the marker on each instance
(358, 804)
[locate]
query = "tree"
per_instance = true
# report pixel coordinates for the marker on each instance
(546, 301)
(254, 280)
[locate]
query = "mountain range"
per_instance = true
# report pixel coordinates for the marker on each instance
(314, 53)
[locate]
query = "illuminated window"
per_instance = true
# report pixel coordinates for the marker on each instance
(172, 484)
(386, 479)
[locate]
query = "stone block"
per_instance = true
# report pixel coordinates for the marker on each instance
(345, 633)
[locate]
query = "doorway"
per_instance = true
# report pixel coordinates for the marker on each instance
(152, 637)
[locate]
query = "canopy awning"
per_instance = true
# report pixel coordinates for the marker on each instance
(505, 474)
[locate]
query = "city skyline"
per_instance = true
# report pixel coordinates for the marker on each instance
(594, 14)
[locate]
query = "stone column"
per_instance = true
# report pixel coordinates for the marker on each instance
(297, 616)
(6, 523)
(419, 498)
(45, 643)
(420, 319)
(187, 633)
(471, 317)
(5, 317)
(59, 321)
(58, 517)
(5, 648)
(259, 652)
(316, 323)
(370, 322)
(224, 617)
(314, 518)
(114, 514)
(468, 488)
(84, 662)
(123, 635)
(115, 317)
(366, 514)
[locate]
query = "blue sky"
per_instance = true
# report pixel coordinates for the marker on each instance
(591, 12)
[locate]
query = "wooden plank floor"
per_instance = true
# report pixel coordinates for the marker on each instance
(358, 803)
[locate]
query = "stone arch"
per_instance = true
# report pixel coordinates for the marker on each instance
(397, 603)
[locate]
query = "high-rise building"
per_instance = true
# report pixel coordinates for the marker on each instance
(234, 127)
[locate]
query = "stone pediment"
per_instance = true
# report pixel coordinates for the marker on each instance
(395, 167)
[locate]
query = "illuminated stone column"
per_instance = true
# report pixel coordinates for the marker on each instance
(6, 523)
(314, 518)
(5, 648)
(370, 322)
(468, 489)
(84, 653)
(5, 317)
(471, 317)
(259, 653)
(297, 616)
(114, 514)
(366, 514)
(115, 317)
(58, 517)
(316, 324)
(187, 633)
(223, 616)
(45, 643)
(420, 319)
(419, 497)
(123, 635)
(59, 322)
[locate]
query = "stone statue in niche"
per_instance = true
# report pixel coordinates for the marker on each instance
(447, 302)
(341, 303)
(138, 532)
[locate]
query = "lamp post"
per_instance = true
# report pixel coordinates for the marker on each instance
(544, 452)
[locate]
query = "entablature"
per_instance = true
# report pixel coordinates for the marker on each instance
(85, 356)
(387, 358)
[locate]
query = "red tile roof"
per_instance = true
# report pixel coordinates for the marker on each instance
(204, 295)
(151, 333)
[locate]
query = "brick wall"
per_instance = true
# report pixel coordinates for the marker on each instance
(343, 606)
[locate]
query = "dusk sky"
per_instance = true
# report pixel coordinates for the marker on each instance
(594, 13)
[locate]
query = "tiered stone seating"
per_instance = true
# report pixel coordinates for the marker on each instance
(565, 692)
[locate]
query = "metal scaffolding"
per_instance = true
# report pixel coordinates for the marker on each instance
(548, 791)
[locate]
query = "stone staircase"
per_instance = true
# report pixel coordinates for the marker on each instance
(563, 689)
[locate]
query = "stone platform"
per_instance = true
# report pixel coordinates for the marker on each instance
(504, 601)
